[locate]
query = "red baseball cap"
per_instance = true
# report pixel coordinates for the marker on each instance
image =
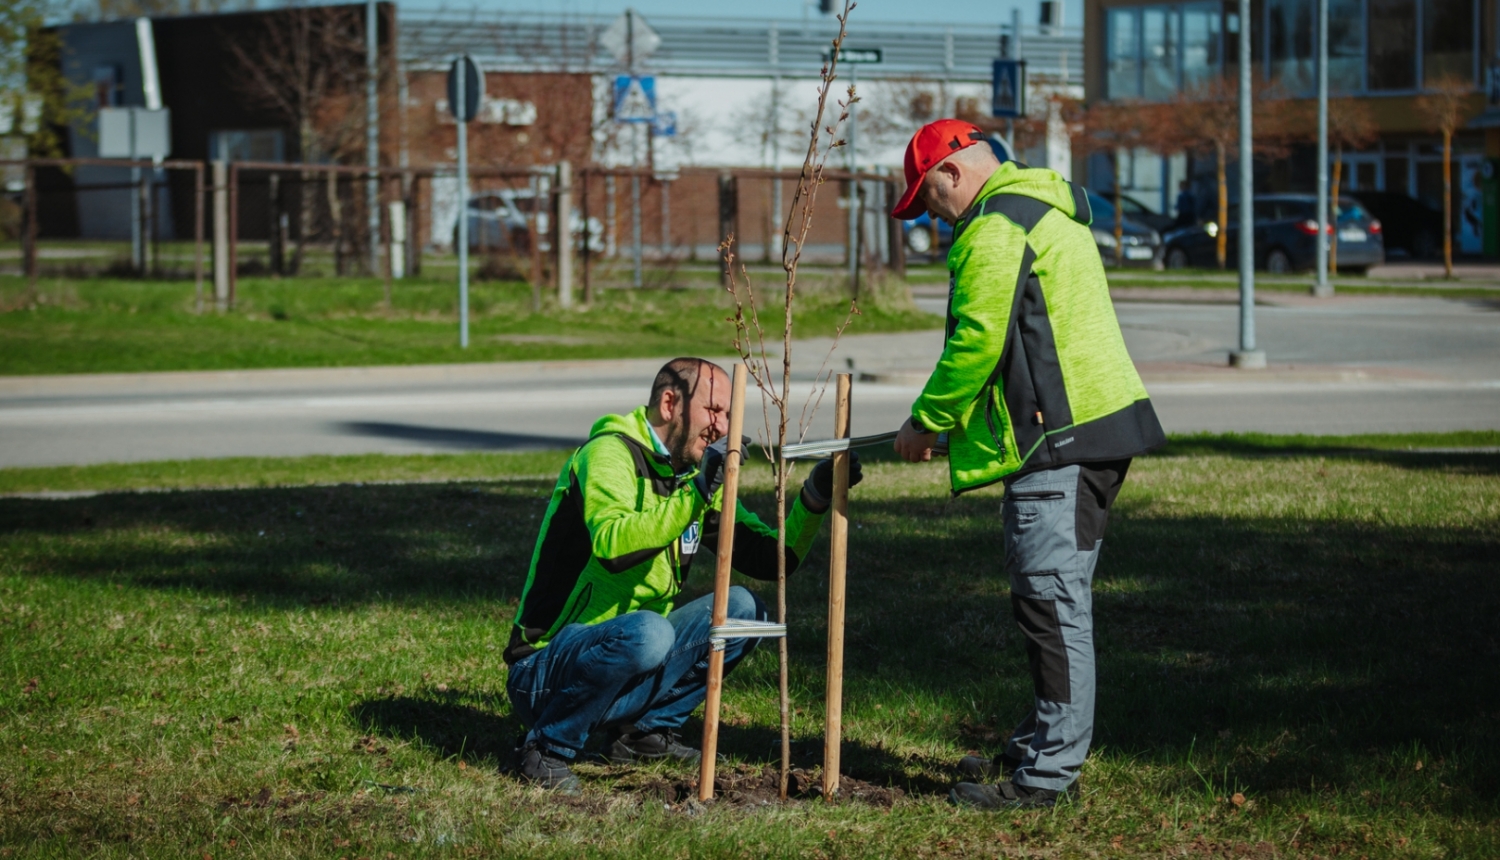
(931, 144)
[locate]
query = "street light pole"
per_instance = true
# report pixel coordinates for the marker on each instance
(1247, 356)
(461, 103)
(1322, 288)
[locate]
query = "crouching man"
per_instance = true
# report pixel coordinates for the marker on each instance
(597, 643)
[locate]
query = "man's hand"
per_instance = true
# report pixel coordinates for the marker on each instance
(817, 490)
(913, 445)
(711, 468)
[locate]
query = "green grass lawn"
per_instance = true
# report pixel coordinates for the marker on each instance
(1296, 642)
(113, 325)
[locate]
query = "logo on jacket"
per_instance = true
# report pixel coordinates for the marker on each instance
(690, 540)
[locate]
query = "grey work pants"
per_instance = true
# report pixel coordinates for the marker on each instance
(1054, 528)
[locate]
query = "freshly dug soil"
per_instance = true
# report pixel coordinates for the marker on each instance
(748, 785)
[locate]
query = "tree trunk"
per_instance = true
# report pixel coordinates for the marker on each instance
(1221, 242)
(783, 650)
(336, 220)
(1333, 218)
(308, 193)
(1448, 203)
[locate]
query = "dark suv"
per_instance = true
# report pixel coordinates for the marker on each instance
(1286, 229)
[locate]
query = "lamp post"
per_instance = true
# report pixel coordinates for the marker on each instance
(1247, 356)
(1323, 288)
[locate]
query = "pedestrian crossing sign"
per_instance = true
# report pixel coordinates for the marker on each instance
(635, 98)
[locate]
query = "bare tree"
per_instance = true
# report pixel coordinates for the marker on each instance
(1448, 103)
(306, 65)
(1117, 127)
(750, 341)
(1351, 124)
(1206, 118)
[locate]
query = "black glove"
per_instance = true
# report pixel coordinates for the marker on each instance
(818, 488)
(711, 468)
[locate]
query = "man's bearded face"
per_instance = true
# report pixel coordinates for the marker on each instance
(700, 421)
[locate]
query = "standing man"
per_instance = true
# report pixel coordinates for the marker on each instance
(597, 642)
(1034, 388)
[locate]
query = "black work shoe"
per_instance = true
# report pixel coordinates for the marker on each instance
(543, 767)
(653, 745)
(975, 769)
(1006, 795)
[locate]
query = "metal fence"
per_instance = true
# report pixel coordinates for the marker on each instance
(625, 226)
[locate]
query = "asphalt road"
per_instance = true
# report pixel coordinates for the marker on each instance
(1350, 365)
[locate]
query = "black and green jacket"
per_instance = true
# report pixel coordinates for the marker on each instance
(1034, 372)
(621, 532)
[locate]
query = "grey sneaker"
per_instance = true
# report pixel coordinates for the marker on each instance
(1006, 795)
(975, 769)
(655, 745)
(546, 769)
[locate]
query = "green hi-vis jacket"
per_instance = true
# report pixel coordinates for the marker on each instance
(621, 532)
(1034, 373)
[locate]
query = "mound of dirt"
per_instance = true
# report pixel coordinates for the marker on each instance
(748, 785)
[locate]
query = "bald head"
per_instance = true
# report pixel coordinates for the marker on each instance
(689, 407)
(683, 375)
(952, 184)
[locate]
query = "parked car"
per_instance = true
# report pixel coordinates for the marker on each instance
(1407, 224)
(1142, 244)
(1286, 229)
(920, 235)
(1136, 211)
(498, 222)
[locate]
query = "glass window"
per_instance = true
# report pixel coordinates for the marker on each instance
(1346, 46)
(1124, 54)
(1201, 47)
(108, 91)
(1393, 44)
(1447, 39)
(1350, 210)
(1290, 27)
(1159, 51)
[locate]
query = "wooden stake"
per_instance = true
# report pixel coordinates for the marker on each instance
(724, 557)
(838, 558)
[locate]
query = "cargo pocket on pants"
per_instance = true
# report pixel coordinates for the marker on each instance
(1038, 541)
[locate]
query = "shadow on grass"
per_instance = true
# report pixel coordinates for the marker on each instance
(1478, 459)
(1274, 651)
(445, 723)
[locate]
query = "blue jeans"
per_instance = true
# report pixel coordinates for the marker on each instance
(636, 668)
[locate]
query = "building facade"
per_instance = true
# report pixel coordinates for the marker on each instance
(1384, 53)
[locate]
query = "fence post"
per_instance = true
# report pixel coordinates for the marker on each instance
(221, 236)
(198, 234)
(563, 244)
(29, 236)
(398, 240)
(275, 252)
(897, 235)
(414, 221)
(588, 238)
(234, 231)
(729, 205)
